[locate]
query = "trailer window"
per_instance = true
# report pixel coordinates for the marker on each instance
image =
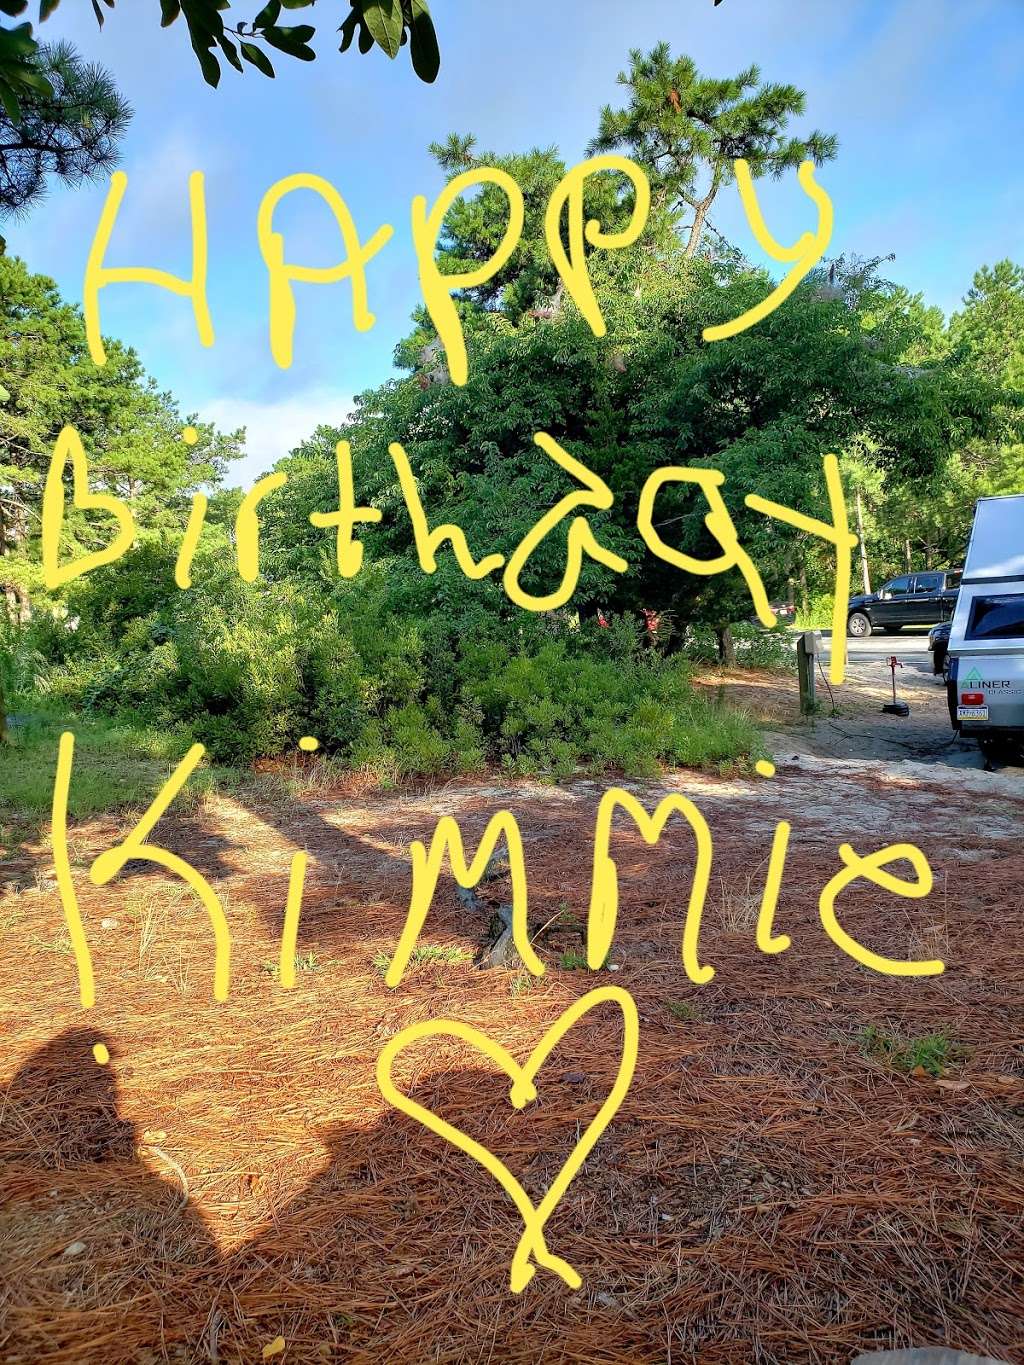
(996, 618)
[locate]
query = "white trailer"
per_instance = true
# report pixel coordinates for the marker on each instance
(986, 639)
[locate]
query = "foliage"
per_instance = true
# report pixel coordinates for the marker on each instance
(474, 227)
(688, 129)
(754, 646)
(817, 614)
(387, 24)
(924, 523)
(686, 1011)
(249, 671)
(131, 431)
(822, 374)
(988, 334)
(70, 129)
(403, 673)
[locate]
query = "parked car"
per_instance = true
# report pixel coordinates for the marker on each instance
(938, 643)
(985, 685)
(915, 599)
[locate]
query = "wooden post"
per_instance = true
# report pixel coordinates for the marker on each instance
(806, 652)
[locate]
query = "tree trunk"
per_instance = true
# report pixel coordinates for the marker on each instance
(700, 212)
(726, 646)
(3, 710)
(863, 547)
(906, 550)
(16, 601)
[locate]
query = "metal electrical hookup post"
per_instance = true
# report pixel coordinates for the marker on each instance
(894, 707)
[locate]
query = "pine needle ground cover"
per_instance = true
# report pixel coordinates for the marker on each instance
(785, 1180)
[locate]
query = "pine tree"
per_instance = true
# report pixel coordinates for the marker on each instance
(687, 130)
(69, 127)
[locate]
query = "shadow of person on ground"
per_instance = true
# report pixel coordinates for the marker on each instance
(100, 1258)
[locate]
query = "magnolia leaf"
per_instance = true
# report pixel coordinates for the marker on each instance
(348, 31)
(231, 52)
(426, 55)
(268, 15)
(293, 41)
(259, 59)
(208, 63)
(384, 20)
(10, 102)
(17, 43)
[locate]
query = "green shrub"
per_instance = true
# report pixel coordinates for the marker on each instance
(760, 648)
(818, 615)
(410, 677)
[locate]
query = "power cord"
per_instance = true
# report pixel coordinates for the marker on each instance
(853, 734)
(824, 679)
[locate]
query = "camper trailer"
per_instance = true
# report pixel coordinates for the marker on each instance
(986, 639)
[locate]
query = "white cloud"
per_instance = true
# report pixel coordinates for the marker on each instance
(274, 428)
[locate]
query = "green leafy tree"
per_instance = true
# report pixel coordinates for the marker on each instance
(687, 130)
(988, 332)
(816, 377)
(67, 125)
(131, 431)
(473, 229)
(926, 525)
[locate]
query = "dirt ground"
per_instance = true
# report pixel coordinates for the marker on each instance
(777, 1186)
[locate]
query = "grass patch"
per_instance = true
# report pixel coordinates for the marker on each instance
(443, 954)
(931, 1053)
(683, 1009)
(116, 765)
(306, 962)
(450, 954)
(574, 961)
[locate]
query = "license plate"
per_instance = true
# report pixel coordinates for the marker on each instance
(972, 713)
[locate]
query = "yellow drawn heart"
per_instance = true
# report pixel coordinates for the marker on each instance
(523, 1090)
(69, 445)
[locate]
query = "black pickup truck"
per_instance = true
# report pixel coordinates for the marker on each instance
(916, 599)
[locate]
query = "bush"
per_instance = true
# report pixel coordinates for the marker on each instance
(755, 647)
(760, 648)
(818, 615)
(398, 676)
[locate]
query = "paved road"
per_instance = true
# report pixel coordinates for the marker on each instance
(909, 646)
(858, 729)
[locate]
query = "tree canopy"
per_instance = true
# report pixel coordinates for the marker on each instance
(68, 125)
(687, 129)
(438, 671)
(132, 432)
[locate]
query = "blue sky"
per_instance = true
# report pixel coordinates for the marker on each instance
(924, 95)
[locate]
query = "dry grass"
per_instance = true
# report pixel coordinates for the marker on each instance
(768, 1192)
